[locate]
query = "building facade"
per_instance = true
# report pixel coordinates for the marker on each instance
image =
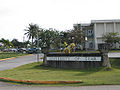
(96, 29)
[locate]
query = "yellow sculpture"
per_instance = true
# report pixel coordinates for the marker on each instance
(68, 48)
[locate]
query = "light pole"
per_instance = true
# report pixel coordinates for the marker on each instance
(24, 41)
(86, 43)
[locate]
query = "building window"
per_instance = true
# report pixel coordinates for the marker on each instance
(90, 32)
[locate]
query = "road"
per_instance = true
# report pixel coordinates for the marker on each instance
(25, 87)
(12, 63)
(15, 62)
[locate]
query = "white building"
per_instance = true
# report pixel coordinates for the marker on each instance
(97, 29)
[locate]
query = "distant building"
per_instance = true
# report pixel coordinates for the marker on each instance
(96, 29)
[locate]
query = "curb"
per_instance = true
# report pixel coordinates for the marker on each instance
(7, 58)
(38, 82)
(13, 57)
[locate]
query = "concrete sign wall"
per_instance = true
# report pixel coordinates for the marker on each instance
(75, 58)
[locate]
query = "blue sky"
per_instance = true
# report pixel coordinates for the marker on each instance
(15, 15)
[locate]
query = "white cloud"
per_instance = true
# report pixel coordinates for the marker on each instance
(15, 15)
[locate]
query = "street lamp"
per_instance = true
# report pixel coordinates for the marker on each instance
(24, 41)
(86, 43)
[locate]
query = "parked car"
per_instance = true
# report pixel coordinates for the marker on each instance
(13, 50)
(22, 50)
(5, 50)
(33, 50)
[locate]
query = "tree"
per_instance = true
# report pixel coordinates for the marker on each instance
(31, 32)
(64, 36)
(111, 38)
(26, 44)
(6, 43)
(47, 37)
(76, 36)
(15, 43)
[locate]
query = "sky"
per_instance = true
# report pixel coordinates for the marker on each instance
(16, 15)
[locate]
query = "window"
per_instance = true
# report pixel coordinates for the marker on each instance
(90, 32)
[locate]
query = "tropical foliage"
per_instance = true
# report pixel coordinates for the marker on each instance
(74, 34)
(31, 32)
(6, 43)
(111, 38)
(15, 43)
(47, 38)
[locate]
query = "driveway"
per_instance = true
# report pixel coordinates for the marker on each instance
(15, 62)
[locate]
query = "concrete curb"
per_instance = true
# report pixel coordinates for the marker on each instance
(13, 57)
(38, 82)
(7, 58)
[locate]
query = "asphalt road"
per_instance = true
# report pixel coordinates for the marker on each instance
(24, 87)
(15, 62)
(12, 63)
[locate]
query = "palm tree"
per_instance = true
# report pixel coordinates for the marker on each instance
(32, 32)
(6, 43)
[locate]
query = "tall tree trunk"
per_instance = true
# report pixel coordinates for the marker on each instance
(106, 61)
(45, 51)
(44, 60)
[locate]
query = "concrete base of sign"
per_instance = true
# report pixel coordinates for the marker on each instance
(74, 60)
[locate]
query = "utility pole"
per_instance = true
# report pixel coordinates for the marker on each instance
(86, 43)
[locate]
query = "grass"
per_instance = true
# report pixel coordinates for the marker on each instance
(94, 76)
(4, 55)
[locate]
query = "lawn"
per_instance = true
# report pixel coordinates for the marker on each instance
(4, 55)
(94, 76)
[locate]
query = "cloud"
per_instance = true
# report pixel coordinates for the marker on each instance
(15, 15)
(5, 12)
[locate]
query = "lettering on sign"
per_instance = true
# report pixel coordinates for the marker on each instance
(75, 58)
